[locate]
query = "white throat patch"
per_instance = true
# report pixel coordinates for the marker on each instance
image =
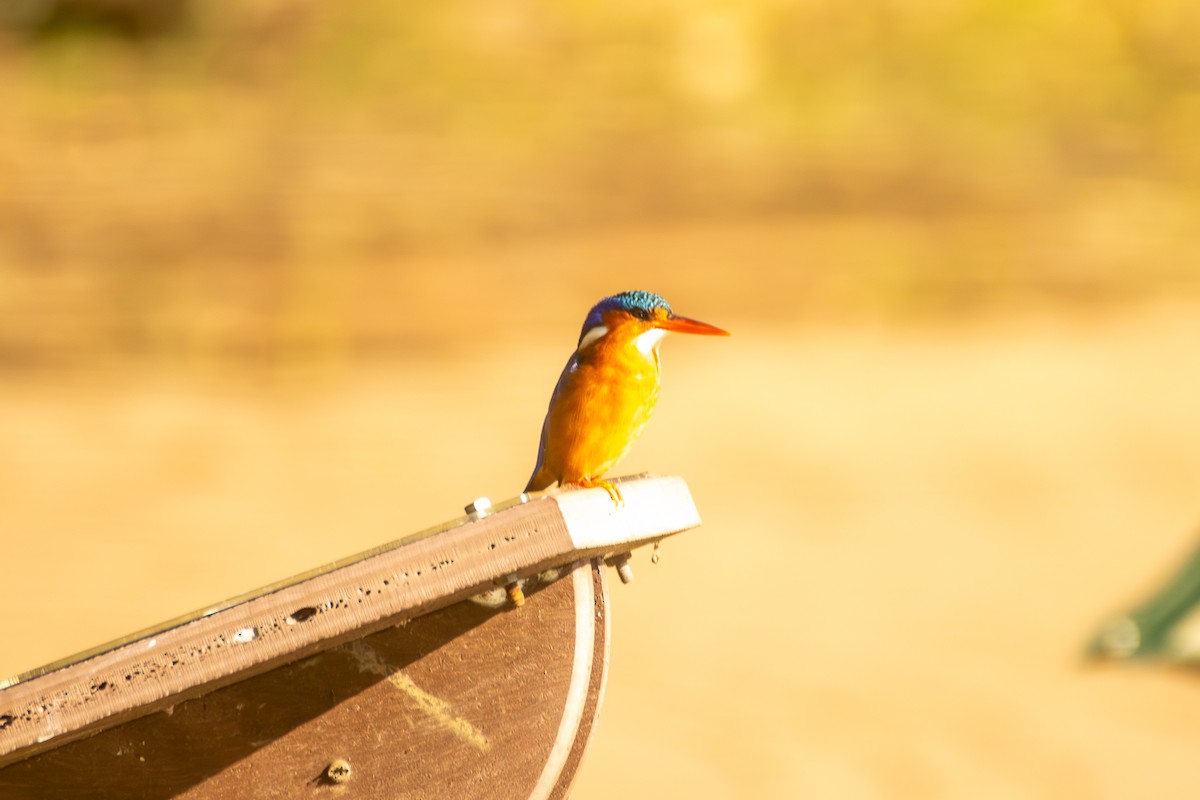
(647, 342)
(592, 335)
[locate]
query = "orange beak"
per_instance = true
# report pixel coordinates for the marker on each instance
(685, 325)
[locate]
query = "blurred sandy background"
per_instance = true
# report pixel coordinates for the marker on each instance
(282, 281)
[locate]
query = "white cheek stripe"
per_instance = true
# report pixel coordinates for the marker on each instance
(592, 335)
(649, 340)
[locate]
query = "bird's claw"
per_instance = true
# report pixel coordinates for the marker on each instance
(608, 486)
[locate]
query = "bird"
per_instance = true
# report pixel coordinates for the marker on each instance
(607, 391)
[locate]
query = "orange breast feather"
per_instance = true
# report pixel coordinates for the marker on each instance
(603, 400)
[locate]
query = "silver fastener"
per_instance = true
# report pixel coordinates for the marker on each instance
(480, 508)
(624, 570)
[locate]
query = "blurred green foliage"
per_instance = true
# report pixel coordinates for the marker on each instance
(1164, 627)
(259, 158)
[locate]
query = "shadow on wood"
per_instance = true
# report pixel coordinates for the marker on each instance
(360, 717)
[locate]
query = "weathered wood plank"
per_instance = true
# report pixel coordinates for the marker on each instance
(466, 702)
(330, 606)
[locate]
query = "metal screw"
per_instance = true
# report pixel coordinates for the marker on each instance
(338, 771)
(245, 635)
(479, 509)
(624, 570)
(516, 596)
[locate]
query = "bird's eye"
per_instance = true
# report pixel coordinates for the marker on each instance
(641, 313)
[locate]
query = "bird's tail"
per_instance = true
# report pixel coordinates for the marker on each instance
(541, 479)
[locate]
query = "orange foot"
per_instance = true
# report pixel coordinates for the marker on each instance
(608, 486)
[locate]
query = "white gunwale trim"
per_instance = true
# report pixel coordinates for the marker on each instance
(653, 509)
(577, 690)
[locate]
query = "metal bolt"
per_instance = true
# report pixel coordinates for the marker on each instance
(516, 596)
(245, 635)
(338, 771)
(624, 570)
(479, 509)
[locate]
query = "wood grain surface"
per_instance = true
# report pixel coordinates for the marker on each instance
(319, 610)
(468, 702)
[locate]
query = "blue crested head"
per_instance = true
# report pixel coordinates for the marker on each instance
(642, 305)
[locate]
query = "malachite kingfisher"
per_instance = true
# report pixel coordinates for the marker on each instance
(607, 391)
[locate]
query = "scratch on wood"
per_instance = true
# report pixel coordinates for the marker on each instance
(369, 660)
